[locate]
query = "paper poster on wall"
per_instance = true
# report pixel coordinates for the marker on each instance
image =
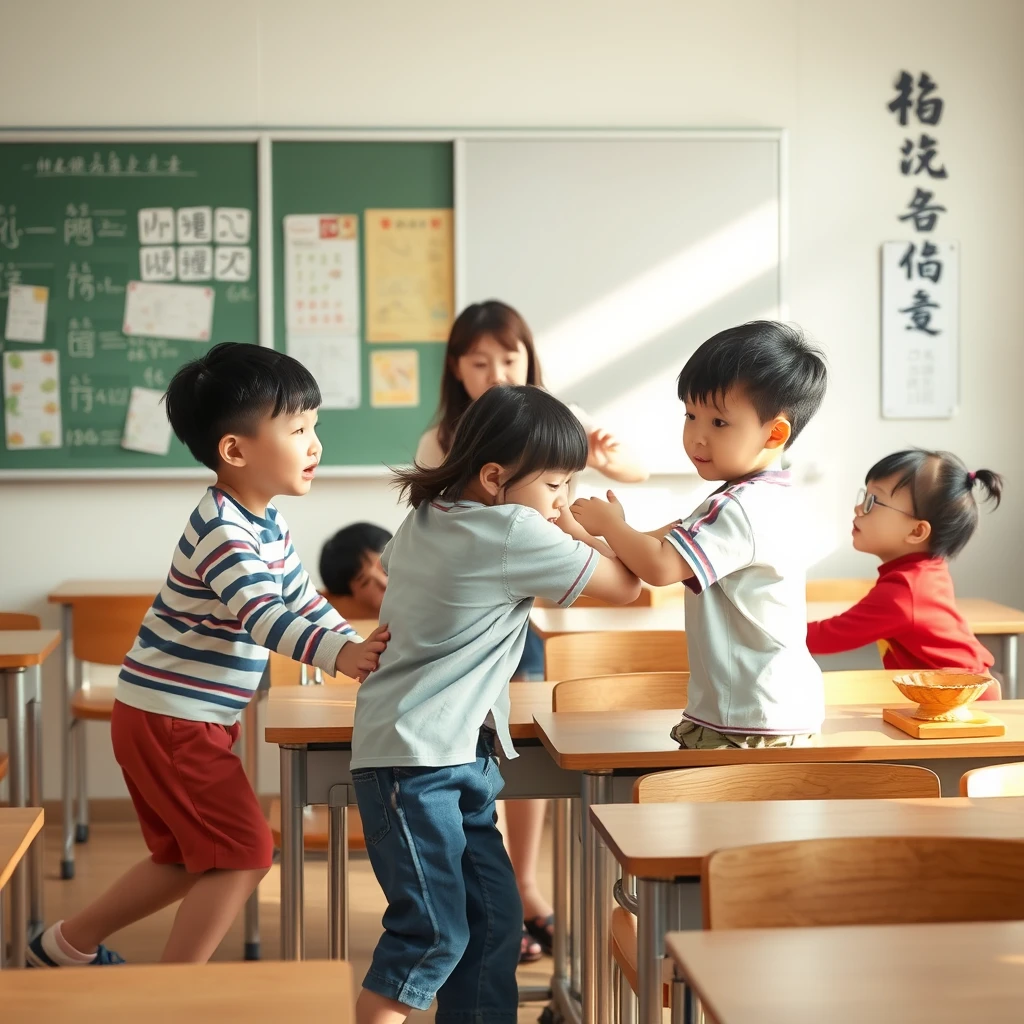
(321, 274)
(334, 363)
(146, 428)
(26, 313)
(920, 329)
(394, 378)
(32, 399)
(410, 293)
(180, 311)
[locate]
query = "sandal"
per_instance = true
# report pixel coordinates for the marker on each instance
(542, 931)
(529, 949)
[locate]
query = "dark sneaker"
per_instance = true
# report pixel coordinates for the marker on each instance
(38, 957)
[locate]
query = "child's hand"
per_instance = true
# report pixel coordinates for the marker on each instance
(358, 660)
(603, 447)
(595, 515)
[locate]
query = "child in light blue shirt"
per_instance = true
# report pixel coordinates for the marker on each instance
(488, 533)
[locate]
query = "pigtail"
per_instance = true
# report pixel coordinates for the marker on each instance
(417, 484)
(992, 484)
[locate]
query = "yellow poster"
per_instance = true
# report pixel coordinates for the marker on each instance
(410, 292)
(394, 378)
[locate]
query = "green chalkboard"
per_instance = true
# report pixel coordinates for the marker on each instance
(70, 221)
(350, 177)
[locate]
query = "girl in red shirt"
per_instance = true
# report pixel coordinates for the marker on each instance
(917, 510)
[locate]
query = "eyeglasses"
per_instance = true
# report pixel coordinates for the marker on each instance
(866, 502)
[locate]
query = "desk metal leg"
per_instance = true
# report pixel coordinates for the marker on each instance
(81, 782)
(293, 800)
(14, 688)
(250, 746)
(34, 734)
(67, 785)
(652, 924)
(560, 834)
(597, 894)
(337, 874)
(1010, 665)
(576, 889)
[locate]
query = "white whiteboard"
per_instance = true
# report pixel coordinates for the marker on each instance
(623, 254)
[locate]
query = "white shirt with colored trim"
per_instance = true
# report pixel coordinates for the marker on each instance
(746, 619)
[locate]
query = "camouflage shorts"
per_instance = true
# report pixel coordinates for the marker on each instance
(699, 737)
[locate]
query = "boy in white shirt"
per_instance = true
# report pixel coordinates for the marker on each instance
(748, 393)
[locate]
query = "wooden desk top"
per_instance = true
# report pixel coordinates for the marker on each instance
(886, 974)
(984, 617)
(266, 992)
(668, 841)
(76, 590)
(603, 740)
(18, 827)
(319, 714)
(20, 648)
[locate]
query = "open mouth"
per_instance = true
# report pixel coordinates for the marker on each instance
(309, 471)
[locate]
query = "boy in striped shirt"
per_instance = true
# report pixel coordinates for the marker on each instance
(235, 589)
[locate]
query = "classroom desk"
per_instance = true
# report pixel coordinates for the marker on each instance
(885, 974)
(22, 652)
(600, 743)
(313, 727)
(18, 828)
(229, 993)
(664, 846)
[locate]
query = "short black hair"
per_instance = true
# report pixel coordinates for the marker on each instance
(941, 493)
(341, 559)
(780, 371)
(519, 426)
(230, 390)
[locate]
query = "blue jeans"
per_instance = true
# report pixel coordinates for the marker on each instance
(454, 918)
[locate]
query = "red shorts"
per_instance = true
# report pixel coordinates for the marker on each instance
(194, 801)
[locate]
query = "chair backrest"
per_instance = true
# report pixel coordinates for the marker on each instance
(636, 691)
(575, 655)
(18, 620)
(994, 780)
(838, 590)
(862, 686)
(864, 880)
(105, 628)
(848, 780)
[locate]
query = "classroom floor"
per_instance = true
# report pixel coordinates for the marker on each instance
(112, 848)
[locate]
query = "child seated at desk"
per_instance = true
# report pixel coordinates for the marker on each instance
(916, 511)
(350, 567)
(748, 393)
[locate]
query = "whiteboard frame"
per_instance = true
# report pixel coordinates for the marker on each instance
(264, 140)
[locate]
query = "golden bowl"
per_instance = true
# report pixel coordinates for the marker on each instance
(943, 696)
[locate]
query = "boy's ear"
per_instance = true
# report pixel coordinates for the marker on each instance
(779, 435)
(230, 450)
(492, 478)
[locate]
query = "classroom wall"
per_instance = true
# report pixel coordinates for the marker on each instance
(820, 68)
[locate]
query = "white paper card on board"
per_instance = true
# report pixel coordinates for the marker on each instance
(920, 329)
(156, 226)
(321, 274)
(231, 225)
(146, 428)
(180, 311)
(26, 313)
(32, 399)
(334, 363)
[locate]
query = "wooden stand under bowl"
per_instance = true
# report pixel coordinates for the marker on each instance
(942, 708)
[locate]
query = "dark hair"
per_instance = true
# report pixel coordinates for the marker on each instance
(941, 493)
(230, 390)
(507, 328)
(341, 559)
(780, 371)
(518, 426)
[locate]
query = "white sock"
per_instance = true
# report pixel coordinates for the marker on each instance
(60, 951)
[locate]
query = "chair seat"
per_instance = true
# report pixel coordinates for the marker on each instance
(316, 827)
(93, 703)
(622, 943)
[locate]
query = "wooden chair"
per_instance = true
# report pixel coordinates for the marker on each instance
(826, 781)
(994, 780)
(862, 686)
(864, 880)
(575, 655)
(105, 630)
(18, 620)
(637, 691)
(838, 590)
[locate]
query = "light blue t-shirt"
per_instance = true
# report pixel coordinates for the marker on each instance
(461, 582)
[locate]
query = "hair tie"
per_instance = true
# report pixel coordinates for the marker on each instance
(971, 477)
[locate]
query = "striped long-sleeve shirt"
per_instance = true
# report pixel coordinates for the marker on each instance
(236, 588)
